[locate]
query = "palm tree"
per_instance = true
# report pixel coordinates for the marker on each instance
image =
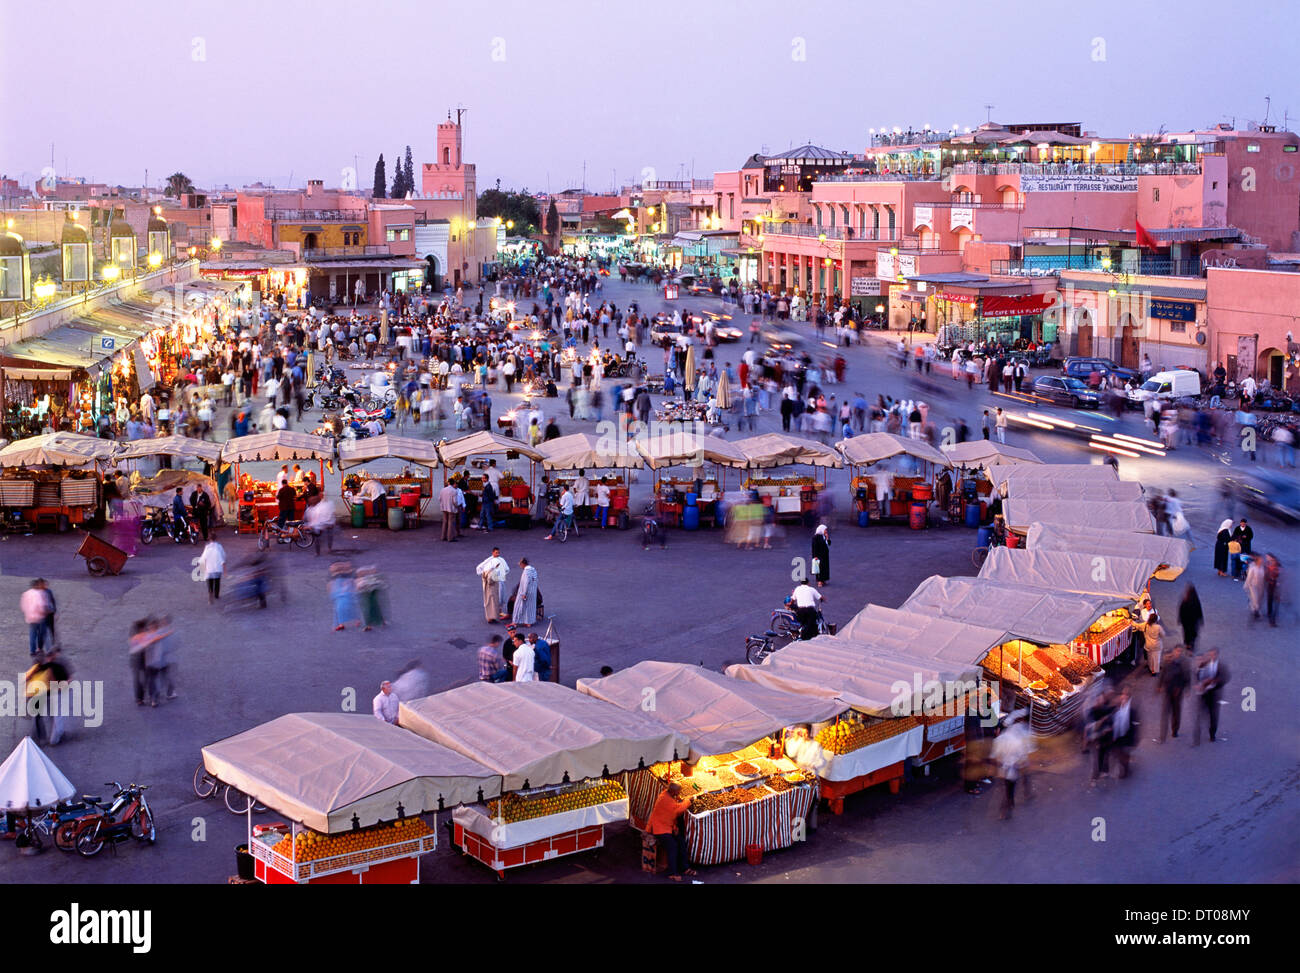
(178, 184)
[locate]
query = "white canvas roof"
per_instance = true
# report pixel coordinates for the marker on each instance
(1084, 489)
(1131, 515)
(1051, 471)
(57, 449)
(782, 449)
(689, 449)
(584, 451)
(872, 447)
(29, 779)
(1172, 553)
(925, 637)
(482, 443)
(277, 447)
(716, 714)
(854, 673)
(985, 453)
(1034, 614)
(322, 768)
(534, 733)
(1098, 574)
(353, 452)
(182, 446)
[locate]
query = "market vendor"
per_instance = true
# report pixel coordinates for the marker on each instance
(285, 498)
(806, 751)
(666, 826)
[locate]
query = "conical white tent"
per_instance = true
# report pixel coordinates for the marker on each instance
(29, 779)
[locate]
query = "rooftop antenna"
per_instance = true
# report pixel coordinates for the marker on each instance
(1267, 105)
(988, 113)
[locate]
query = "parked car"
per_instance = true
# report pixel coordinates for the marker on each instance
(1067, 391)
(1083, 367)
(1167, 386)
(1270, 491)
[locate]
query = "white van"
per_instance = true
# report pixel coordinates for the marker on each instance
(1168, 385)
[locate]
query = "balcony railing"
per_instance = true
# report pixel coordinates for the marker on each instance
(880, 177)
(1067, 169)
(1052, 264)
(959, 204)
(317, 215)
(336, 253)
(830, 232)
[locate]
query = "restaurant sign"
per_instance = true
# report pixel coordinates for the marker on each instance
(864, 287)
(923, 216)
(1079, 184)
(962, 216)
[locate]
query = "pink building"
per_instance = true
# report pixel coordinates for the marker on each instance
(1254, 321)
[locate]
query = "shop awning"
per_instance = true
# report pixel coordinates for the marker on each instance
(584, 451)
(1034, 614)
(782, 449)
(1091, 574)
(36, 374)
(453, 452)
(86, 342)
(1067, 490)
(1009, 305)
(689, 449)
(926, 637)
(1107, 515)
(1052, 471)
(1171, 553)
(57, 449)
(353, 452)
(181, 446)
(855, 673)
(716, 714)
(872, 447)
(985, 453)
(277, 447)
(321, 769)
(538, 733)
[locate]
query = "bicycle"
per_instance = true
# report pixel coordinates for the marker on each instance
(981, 554)
(207, 785)
(293, 532)
(564, 525)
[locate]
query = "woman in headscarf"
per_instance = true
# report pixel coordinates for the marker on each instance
(1221, 541)
(821, 552)
(525, 611)
(1190, 617)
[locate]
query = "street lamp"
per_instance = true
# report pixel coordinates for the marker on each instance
(216, 243)
(44, 289)
(510, 224)
(155, 260)
(111, 272)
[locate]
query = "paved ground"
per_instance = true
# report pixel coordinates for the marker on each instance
(1226, 812)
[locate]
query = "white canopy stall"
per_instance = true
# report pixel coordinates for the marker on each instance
(1171, 553)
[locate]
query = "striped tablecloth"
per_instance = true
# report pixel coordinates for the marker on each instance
(714, 837)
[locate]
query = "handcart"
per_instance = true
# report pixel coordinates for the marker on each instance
(101, 557)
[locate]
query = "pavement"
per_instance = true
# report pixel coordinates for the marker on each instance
(1225, 812)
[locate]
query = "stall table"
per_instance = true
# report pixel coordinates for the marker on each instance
(390, 855)
(866, 753)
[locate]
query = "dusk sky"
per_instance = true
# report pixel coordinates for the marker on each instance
(285, 90)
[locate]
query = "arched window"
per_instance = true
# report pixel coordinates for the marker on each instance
(446, 155)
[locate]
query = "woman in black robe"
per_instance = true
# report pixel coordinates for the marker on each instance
(821, 552)
(1221, 541)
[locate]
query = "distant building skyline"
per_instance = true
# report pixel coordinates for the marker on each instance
(567, 94)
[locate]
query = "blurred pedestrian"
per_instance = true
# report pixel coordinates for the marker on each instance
(1175, 675)
(370, 585)
(1222, 547)
(1211, 676)
(1098, 733)
(212, 562)
(821, 556)
(1256, 586)
(1011, 750)
(1272, 586)
(35, 606)
(1124, 722)
(413, 681)
(1190, 617)
(343, 595)
(1153, 634)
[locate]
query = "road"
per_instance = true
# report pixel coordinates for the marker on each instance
(1220, 813)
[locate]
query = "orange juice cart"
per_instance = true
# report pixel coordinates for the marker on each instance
(793, 498)
(557, 761)
(674, 448)
(354, 792)
(747, 796)
(911, 486)
(515, 493)
(584, 451)
(257, 500)
(406, 490)
(53, 481)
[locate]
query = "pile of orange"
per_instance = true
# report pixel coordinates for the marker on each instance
(312, 846)
(519, 807)
(846, 737)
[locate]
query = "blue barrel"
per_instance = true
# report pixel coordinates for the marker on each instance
(983, 536)
(691, 518)
(863, 519)
(691, 499)
(972, 515)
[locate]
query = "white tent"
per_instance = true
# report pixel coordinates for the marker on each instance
(1050, 471)
(353, 452)
(29, 779)
(57, 449)
(1172, 553)
(781, 449)
(320, 769)
(689, 449)
(584, 451)
(1083, 489)
(925, 637)
(872, 447)
(277, 447)
(180, 446)
(717, 714)
(536, 733)
(482, 443)
(985, 452)
(1130, 515)
(1034, 614)
(1096, 574)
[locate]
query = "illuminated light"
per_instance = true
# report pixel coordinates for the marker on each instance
(44, 289)
(1138, 440)
(216, 243)
(1112, 292)
(9, 223)
(510, 224)
(1116, 450)
(75, 215)
(111, 272)
(1128, 445)
(1030, 422)
(157, 211)
(821, 236)
(155, 259)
